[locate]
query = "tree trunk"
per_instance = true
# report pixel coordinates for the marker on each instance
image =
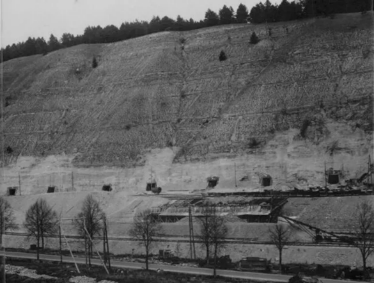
(37, 247)
(89, 252)
(280, 260)
(215, 261)
(42, 236)
(146, 258)
(207, 254)
(364, 261)
(2, 269)
(85, 248)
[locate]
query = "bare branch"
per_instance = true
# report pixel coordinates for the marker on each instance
(145, 228)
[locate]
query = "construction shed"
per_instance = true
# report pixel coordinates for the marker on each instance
(107, 188)
(150, 186)
(265, 179)
(256, 210)
(12, 191)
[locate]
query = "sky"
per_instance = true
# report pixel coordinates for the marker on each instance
(21, 19)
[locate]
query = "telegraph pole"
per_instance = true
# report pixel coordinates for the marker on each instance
(324, 175)
(107, 243)
(192, 240)
(19, 183)
(72, 180)
(104, 245)
(59, 235)
(235, 175)
(370, 175)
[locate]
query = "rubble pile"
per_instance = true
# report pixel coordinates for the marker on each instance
(23, 271)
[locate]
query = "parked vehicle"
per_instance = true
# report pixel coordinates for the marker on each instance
(223, 262)
(254, 264)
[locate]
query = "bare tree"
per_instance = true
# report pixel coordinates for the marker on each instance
(41, 221)
(205, 233)
(218, 234)
(279, 236)
(7, 220)
(144, 229)
(213, 232)
(364, 230)
(89, 223)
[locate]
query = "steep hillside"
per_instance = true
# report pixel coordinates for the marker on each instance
(298, 98)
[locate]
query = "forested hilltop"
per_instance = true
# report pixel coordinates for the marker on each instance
(262, 12)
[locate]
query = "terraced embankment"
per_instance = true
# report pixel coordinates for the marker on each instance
(298, 98)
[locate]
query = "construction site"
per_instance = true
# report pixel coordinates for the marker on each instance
(280, 132)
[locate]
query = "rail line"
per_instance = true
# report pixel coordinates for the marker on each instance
(185, 239)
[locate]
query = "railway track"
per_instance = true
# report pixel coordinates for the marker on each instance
(185, 239)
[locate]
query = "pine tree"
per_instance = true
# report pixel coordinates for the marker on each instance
(211, 18)
(53, 43)
(254, 39)
(225, 15)
(241, 14)
(94, 63)
(222, 56)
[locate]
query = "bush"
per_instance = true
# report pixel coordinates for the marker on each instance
(222, 56)
(182, 40)
(9, 150)
(253, 142)
(296, 279)
(254, 39)
(94, 63)
(304, 127)
(7, 101)
(128, 127)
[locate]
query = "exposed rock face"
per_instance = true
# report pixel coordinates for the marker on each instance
(284, 106)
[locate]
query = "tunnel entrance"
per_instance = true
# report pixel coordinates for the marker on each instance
(51, 189)
(212, 181)
(333, 179)
(266, 181)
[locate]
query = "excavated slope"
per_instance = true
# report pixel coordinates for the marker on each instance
(298, 98)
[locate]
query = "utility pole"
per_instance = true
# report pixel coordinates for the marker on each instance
(59, 235)
(89, 237)
(104, 245)
(324, 175)
(107, 243)
(19, 183)
(370, 175)
(67, 243)
(192, 240)
(235, 175)
(72, 180)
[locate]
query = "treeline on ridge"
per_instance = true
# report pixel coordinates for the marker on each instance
(260, 13)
